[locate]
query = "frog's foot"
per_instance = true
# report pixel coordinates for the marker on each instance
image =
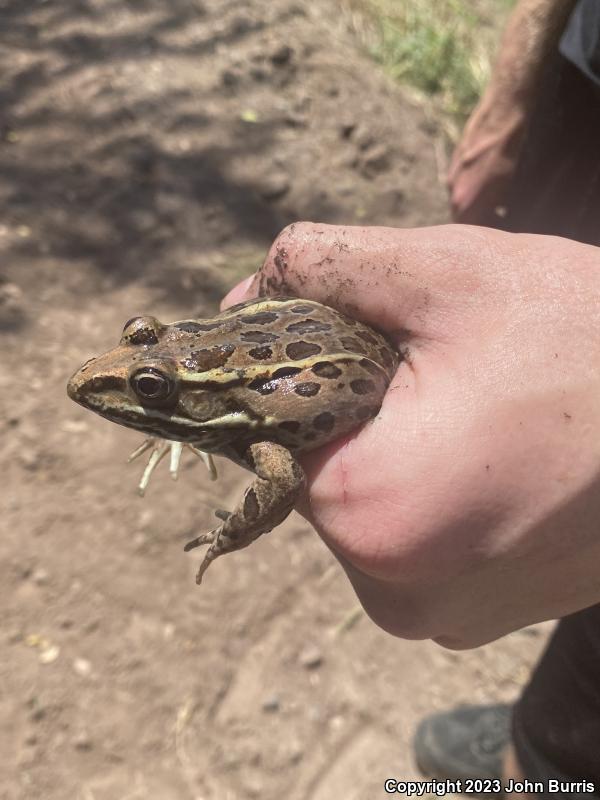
(160, 448)
(266, 503)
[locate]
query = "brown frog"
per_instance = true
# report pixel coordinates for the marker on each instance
(257, 383)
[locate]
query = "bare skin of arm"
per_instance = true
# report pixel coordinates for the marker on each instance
(469, 507)
(485, 158)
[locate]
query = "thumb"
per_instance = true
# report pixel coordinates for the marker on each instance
(402, 281)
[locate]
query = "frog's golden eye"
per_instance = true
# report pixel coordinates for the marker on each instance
(152, 386)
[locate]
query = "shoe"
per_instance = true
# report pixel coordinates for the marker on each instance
(467, 742)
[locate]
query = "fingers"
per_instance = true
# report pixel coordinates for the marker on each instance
(392, 278)
(243, 291)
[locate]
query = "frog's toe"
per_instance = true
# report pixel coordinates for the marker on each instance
(204, 538)
(206, 562)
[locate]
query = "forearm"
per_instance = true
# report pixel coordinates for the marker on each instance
(485, 159)
(531, 36)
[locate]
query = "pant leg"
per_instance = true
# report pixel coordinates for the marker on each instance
(556, 723)
(556, 187)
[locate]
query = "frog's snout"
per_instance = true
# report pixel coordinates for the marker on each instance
(77, 380)
(73, 387)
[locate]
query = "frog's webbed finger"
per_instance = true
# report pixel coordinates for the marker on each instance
(266, 502)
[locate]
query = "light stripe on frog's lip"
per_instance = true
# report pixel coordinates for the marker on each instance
(139, 416)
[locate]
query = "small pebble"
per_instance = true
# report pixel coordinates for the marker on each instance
(296, 753)
(377, 160)
(29, 458)
(82, 667)
(82, 742)
(168, 631)
(311, 658)
(363, 137)
(14, 636)
(337, 723)
(282, 55)
(275, 186)
(271, 704)
(49, 654)
(40, 576)
(74, 426)
(229, 78)
(38, 714)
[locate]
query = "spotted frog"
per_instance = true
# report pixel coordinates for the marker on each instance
(258, 383)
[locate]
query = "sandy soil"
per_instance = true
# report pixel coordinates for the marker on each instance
(149, 152)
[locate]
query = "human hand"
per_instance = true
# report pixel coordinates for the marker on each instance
(484, 162)
(470, 506)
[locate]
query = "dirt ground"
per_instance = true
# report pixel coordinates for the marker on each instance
(149, 152)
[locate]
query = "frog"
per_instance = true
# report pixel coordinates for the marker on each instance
(260, 383)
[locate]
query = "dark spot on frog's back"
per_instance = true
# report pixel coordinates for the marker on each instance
(262, 386)
(302, 349)
(387, 359)
(366, 412)
(324, 422)
(258, 337)
(325, 369)
(209, 358)
(286, 372)
(369, 366)
(352, 345)
(308, 326)
(196, 327)
(260, 318)
(362, 386)
(301, 309)
(290, 425)
(251, 507)
(307, 389)
(367, 336)
(260, 353)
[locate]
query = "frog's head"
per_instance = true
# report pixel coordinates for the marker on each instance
(157, 381)
(136, 383)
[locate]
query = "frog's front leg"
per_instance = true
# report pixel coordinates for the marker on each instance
(266, 502)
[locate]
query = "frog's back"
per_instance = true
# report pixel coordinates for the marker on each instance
(304, 373)
(280, 330)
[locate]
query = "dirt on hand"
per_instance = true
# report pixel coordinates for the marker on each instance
(149, 154)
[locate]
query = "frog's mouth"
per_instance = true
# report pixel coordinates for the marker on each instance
(110, 397)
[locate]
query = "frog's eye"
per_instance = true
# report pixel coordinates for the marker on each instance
(152, 386)
(142, 331)
(128, 323)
